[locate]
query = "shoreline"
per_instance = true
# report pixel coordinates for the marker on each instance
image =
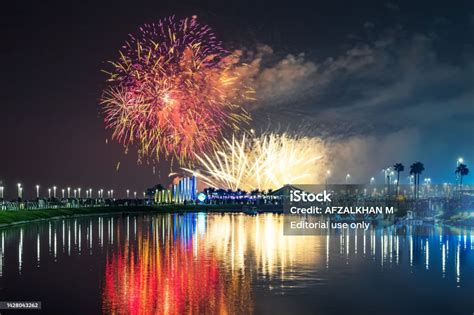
(10, 218)
(15, 217)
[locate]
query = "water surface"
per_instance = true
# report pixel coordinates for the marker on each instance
(234, 264)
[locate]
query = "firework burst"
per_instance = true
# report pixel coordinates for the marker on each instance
(266, 162)
(174, 91)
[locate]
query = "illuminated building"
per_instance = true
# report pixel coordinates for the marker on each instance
(184, 191)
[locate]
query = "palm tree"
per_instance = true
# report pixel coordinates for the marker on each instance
(416, 169)
(462, 171)
(398, 167)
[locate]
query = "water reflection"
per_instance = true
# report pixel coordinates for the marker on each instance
(222, 263)
(170, 276)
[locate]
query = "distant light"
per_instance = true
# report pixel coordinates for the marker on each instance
(201, 197)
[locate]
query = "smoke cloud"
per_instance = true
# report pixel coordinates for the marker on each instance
(389, 99)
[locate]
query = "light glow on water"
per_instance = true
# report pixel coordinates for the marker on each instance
(195, 262)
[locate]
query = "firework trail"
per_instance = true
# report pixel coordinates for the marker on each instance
(174, 91)
(266, 162)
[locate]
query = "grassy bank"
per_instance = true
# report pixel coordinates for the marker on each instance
(17, 216)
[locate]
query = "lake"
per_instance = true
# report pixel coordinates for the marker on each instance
(234, 264)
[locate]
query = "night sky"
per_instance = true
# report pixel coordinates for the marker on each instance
(382, 82)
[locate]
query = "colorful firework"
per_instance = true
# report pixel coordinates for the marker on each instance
(266, 162)
(174, 91)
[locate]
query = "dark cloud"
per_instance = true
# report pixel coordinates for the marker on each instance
(393, 89)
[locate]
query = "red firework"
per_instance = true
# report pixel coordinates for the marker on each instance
(174, 91)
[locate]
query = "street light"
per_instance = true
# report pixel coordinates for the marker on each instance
(49, 193)
(19, 190)
(135, 194)
(328, 174)
(69, 192)
(54, 192)
(348, 176)
(388, 172)
(128, 193)
(62, 193)
(90, 193)
(1, 192)
(112, 193)
(79, 191)
(372, 180)
(37, 191)
(458, 162)
(75, 193)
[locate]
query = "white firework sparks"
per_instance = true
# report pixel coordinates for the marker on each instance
(266, 162)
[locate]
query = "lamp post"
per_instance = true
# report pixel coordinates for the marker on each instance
(387, 173)
(90, 193)
(348, 176)
(79, 192)
(69, 192)
(1, 193)
(428, 186)
(328, 174)
(458, 162)
(54, 192)
(19, 190)
(372, 181)
(75, 195)
(49, 193)
(62, 193)
(128, 193)
(112, 193)
(135, 194)
(37, 191)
